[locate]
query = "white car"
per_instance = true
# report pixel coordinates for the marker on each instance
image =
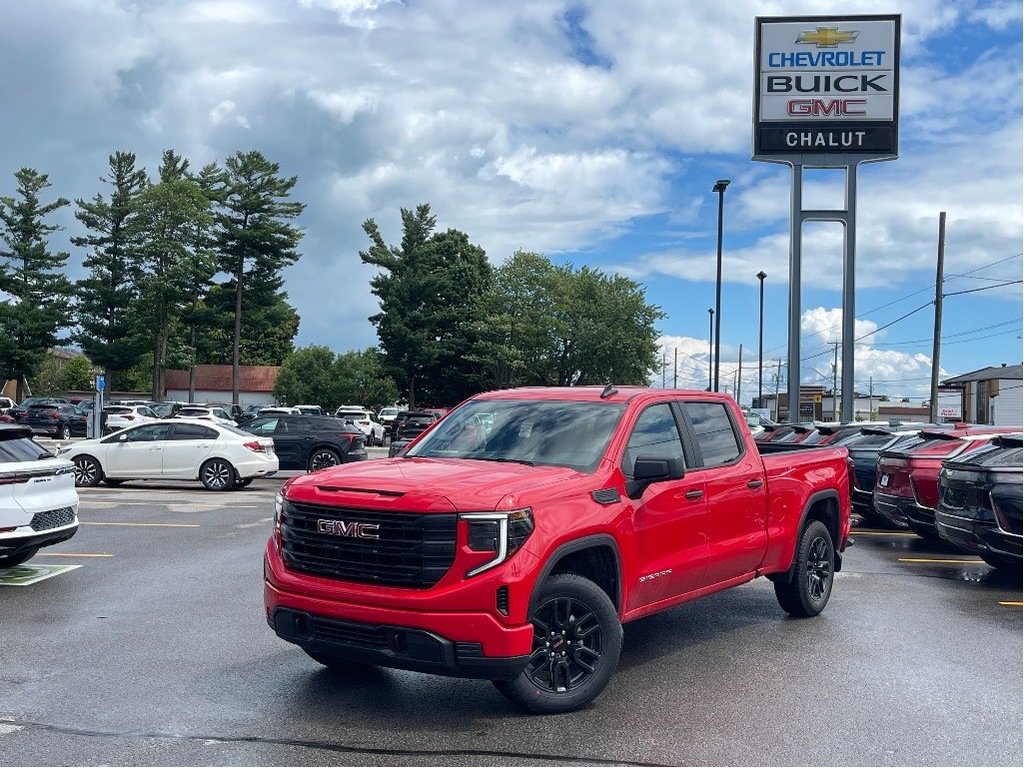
(121, 416)
(279, 410)
(366, 422)
(38, 499)
(388, 414)
(220, 456)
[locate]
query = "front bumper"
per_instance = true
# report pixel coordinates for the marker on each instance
(973, 535)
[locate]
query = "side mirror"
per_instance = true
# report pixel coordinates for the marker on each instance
(649, 469)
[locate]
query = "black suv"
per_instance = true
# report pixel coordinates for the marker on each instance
(58, 420)
(310, 442)
(18, 412)
(980, 501)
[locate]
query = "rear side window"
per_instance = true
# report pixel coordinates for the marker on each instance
(21, 449)
(654, 434)
(715, 435)
(192, 432)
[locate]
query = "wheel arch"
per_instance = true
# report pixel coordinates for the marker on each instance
(823, 506)
(594, 557)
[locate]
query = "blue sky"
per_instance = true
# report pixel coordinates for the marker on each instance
(591, 132)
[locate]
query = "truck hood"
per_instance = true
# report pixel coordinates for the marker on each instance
(433, 485)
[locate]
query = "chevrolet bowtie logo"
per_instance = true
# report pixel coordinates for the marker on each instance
(827, 37)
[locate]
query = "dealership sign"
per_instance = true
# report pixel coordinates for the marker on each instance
(826, 86)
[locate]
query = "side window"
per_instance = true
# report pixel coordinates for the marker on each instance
(264, 427)
(148, 433)
(715, 435)
(655, 433)
(193, 432)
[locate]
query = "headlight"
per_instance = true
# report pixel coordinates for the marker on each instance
(502, 533)
(278, 510)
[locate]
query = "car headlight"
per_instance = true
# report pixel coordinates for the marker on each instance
(502, 533)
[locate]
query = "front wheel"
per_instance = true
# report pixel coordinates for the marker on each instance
(87, 472)
(808, 591)
(577, 639)
(12, 560)
(217, 475)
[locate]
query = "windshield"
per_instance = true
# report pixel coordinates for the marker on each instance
(550, 432)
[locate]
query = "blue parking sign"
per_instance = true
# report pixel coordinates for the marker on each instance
(100, 381)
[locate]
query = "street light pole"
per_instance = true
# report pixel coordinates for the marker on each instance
(719, 187)
(711, 342)
(760, 340)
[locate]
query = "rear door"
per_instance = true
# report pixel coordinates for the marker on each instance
(669, 519)
(186, 447)
(735, 491)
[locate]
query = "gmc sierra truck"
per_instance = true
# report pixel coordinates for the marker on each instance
(513, 539)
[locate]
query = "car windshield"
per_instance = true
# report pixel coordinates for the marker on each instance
(551, 432)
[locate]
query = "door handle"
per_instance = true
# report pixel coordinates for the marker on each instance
(694, 495)
(755, 484)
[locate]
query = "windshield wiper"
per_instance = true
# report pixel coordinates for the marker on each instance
(527, 462)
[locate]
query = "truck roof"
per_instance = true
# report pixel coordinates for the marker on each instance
(616, 394)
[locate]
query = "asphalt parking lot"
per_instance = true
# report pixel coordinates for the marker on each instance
(153, 650)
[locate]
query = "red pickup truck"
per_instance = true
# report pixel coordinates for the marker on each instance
(512, 540)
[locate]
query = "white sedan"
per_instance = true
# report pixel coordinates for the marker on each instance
(220, 456)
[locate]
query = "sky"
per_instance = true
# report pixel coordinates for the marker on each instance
(591, 132)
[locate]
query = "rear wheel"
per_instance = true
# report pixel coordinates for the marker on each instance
(217, 475)
(12, 560)
(87, 472)
(323, 458)
(808, 592)
(577, 639)
(64, 433)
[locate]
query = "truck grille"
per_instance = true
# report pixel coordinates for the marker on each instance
(411, 550)
(53, 518)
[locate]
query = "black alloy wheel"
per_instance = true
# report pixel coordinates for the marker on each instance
(807, 593)
(322, 458)
(217, 475)
(577, 639)
(87, 472)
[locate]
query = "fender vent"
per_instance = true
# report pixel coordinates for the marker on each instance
(606, 496)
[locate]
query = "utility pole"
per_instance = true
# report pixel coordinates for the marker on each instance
(934, 405)
(835, 373)
(675, 368)
(871, 398)
(778, 379)
(739, 377)
(664, 367)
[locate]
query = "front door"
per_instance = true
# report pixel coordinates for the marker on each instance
(137, 452)
(669, 518)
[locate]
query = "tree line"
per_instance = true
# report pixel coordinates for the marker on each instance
(450, 325)
(174, 263)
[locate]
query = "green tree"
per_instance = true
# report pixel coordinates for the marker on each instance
(40, 295)
(254, 240)
(108, 331)
(268, 333)
(307, 376)
(361, 379)
(77, 374)
(57, 375)
(175, 214)
(431, 290)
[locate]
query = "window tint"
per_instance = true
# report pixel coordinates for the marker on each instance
(147, 433)
(263, 426)
(655, 433)
(715, 435)
(21, 449)
(192, 432)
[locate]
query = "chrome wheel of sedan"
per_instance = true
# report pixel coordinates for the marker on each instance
(217, 475)
(87, 472)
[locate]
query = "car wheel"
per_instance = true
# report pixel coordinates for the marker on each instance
(1000, 561)
(807, 593)
(65, 433)
(323, 458)
(577, 639)
(12, 560)
(217, 475)
(87, 472)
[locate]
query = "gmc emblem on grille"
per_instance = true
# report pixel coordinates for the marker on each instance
(352, 530)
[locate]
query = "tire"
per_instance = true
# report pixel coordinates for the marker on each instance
(88, 472)
(112, 482)
(63, 433)
(217, 475)
(808, 592)
(321, 458)
(1001, 562)
(577, 639)
(12, 560)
